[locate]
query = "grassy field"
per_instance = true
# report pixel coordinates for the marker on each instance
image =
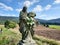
(45, 41)
(55, 26)
(8, 37)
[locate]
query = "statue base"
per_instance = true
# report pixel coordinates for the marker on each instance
(28, 41)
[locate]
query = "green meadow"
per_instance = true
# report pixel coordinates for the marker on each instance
(55, 27)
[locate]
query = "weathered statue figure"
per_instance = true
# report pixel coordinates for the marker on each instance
(22, 22)
(26, 24)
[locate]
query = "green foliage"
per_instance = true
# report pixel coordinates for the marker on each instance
(7, 24)
(10, 24)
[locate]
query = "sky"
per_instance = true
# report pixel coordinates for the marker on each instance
(44, 9)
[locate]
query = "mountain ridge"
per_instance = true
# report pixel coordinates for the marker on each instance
(16, 19)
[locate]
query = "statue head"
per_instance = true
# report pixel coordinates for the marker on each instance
(31, 14)
(24, 9)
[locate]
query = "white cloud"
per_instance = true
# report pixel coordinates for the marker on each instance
(5, 7)
(43, 15)
(29, 3)
(38, 8)
(34, 1)
(48, 7)
(56, 2)
(18, 10)
(13, 15)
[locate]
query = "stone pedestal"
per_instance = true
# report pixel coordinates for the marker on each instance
(28, 40)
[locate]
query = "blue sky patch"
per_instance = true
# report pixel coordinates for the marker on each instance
(44, 9)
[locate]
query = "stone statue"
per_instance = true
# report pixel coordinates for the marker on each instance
(22, 22)
(26, 24)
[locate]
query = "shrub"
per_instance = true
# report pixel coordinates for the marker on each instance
(47, 25)
(6, 24)
(10, 24)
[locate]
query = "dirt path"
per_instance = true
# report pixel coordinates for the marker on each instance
(47, 32)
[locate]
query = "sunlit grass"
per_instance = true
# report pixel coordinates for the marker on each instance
(45, 41)
(55, 26)
(8, 37)
(1, 26)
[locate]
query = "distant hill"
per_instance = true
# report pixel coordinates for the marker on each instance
(4, 18)
(42, 21)
(15, 19)
(53, 21)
